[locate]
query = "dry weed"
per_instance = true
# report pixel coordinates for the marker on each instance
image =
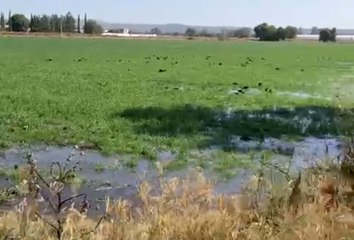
(193, 211)
(189, 209)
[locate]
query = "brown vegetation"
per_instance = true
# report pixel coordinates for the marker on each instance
(197, 213)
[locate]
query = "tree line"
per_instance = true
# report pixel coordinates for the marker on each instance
(70, 24)
(264, 32)
(49, 23)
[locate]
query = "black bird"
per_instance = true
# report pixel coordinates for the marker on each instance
(162, 70)
(259, 84)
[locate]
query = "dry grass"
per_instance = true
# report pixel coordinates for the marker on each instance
(197, 213)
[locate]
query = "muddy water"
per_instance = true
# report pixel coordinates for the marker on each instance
(118, 182)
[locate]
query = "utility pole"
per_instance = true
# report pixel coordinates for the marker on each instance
(61, 26)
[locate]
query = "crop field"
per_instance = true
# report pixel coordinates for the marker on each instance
(141, 97)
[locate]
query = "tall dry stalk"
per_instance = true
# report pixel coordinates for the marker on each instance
(329, 193)
(295, 199)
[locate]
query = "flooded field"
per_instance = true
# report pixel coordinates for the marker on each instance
(102, 177)
(220, 108)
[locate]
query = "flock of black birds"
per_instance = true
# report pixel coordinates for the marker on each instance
(173, 61)
(248, 61)
(241, 89)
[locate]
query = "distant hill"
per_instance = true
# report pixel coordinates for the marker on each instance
(181, 28)
(165, 28)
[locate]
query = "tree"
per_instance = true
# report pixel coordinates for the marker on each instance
(280, 33)
(290, 32)
(328, 35)
(156, 31)
(78, 24)
(333, 34)
(265, 32)
(190, 32)
(19, 23)
(273, 33)
(2, 21)
(44, 23)
(242, 33)
(92, 27)
(39, 23)
(85, 22)
(9, 21)
(69, 23)
(54, 23)
(261, 31)
(31, 23)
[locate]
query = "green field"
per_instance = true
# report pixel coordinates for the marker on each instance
(116, 96)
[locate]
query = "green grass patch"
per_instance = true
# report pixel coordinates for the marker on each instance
(141, 97)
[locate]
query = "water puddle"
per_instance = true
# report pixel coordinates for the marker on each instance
(302, 95)
(300, 120)
(117, 181)
(351, 64)
(255, 91)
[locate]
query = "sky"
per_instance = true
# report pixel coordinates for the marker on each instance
(238, 13)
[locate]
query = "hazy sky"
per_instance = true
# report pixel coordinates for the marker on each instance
(300, 13)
